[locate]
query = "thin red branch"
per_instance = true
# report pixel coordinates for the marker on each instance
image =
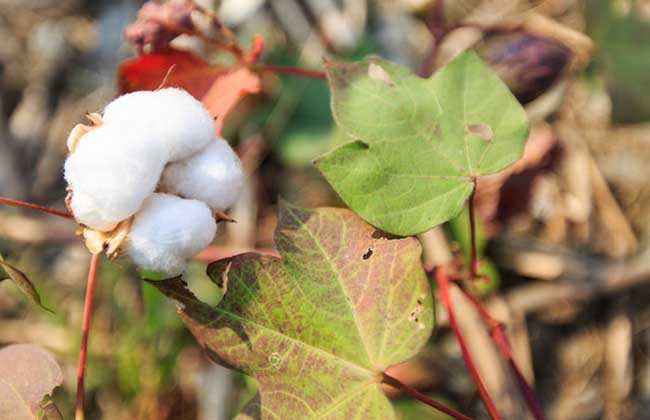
(297, 71)
(497, 332)
(85, 327)
(499, 337)
(443, 286)
(43, 209)
(389, 380)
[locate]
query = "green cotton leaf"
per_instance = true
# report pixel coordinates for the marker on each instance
(317, 327)
(23, 282)
(418, 143)
(49, 411)
(28, 374)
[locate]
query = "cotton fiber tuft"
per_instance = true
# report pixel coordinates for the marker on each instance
(214, 175)
(171, 115)
(112, 171)
(169, 230)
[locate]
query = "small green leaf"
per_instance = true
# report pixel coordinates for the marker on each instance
(23, 282)
(49, 411)
(317, 327)
(418, 143)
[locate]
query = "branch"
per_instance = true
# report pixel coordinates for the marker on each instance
(442, 279)
(498, 336)
(577, 276)
(496, 329)
(85, 327)
(43, 209)
(389, 380)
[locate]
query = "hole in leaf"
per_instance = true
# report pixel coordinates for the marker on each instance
(376, 72)
(481, 130)
(368, 254)
(275, 359)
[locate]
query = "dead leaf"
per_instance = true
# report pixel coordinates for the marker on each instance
(23, 282)
(28, 373)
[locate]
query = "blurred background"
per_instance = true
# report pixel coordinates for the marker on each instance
(563, 232)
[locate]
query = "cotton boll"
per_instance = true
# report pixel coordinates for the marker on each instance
(214, 176)
(86, 211)
(169, 230)
(112, 171)
(171, 115)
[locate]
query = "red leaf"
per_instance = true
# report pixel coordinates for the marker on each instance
(227, 90)
(148, 71)
(218, 87)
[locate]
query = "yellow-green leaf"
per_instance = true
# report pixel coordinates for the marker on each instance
(317, 327)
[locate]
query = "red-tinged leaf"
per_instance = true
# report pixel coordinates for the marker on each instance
(219, 88)
(27, 374)
(227, 90)
(317, 326)
(175, 67)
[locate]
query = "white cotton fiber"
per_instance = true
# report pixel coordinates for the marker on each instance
(86, 211)
(112, 171)
(171, 115)
(168, 231)
(214, 175)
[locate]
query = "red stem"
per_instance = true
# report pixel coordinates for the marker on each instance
(297, 71)
(499, 337)
(85, 327)
(389, 380)
(443, 286)
(44, 209)
(497, 332)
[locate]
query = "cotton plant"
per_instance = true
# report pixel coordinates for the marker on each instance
(148, 177)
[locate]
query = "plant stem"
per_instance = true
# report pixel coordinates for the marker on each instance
(497, 332)
(499, 337)
(443, 286)
(389, 380)
(85, 327)
(297, 71)
(473, 260)
(43, 209)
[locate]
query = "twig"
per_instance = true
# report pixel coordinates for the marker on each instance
(581, 276)
(499, 337)
(43, 209)
(442, 279)
(496, 329)
(389, 380)
(297, 71)
(85, 327)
